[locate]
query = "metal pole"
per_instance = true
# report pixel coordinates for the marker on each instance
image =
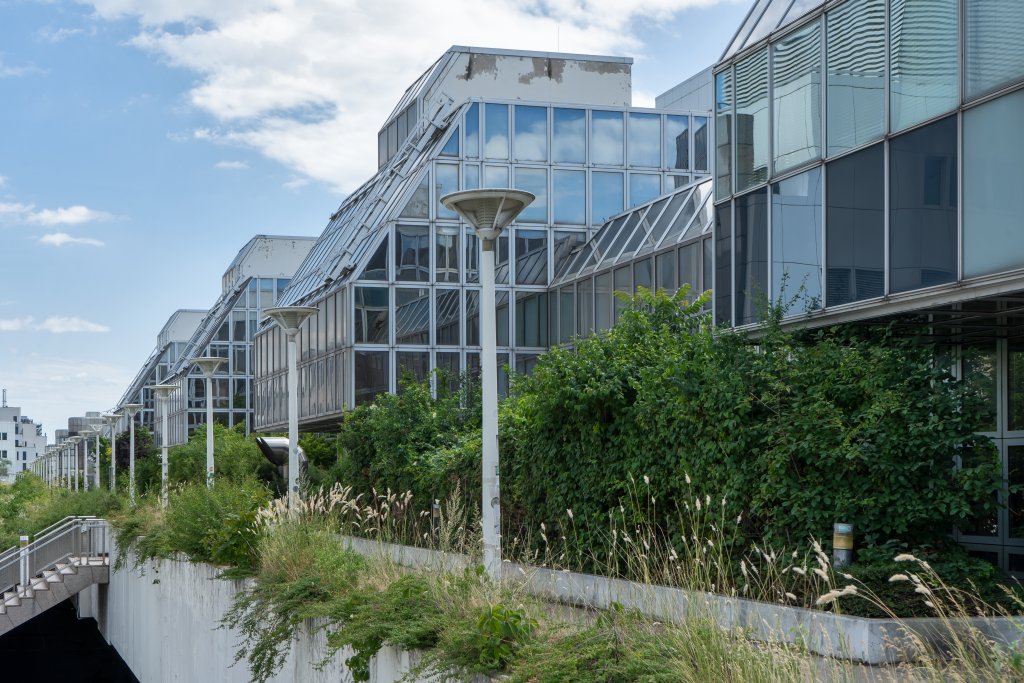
(113, 455)
(100, 431)
(163, 452)
(209, 433)
(293, 423)
(131, 458)
(76, 465)
(491, 503)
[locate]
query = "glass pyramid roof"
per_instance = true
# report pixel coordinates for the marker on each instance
(764, 17)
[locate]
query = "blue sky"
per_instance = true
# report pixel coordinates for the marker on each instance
(142, 142)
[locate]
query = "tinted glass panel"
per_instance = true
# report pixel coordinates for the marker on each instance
(689, 268)
(471, 176)
(473, 130)
(922, 207)
(448, 313)
(495, 176)
(856, 74)
(978, 370)
(622, 282)
(606, 137)
(1015, 472)
(642, 275)
(700, 143)
(723, 264)
(447, 181)
(644, 139)
(413, 366)
(371, 375)
(565, 243)
(569, 137)
(993, 177)
(446, 253)
(751, 255)
(531, 141)
(451, 148)
(677, 141)
(605, 195)
(412, 255)
(723, 134)
(665, 268)
(922, 60)
(855, 249)
(752, 120)
(533, 180)
(995, 51)
(412, 316)
(496, 131)
(567, 314)
(796, 75)
(531, 257)
(371, 313)
(473, 317)
(643, 187)
(603, 301)
(531, 319)
(584, 307)
(1015, 384)
(418, 205)
(796, 241)
(570, 197)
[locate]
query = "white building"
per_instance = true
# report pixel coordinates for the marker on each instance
(21, 441)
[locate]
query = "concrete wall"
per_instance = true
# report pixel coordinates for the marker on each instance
(694, 94)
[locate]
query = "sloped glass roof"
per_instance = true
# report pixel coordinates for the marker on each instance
(764, 17)
(664, 222)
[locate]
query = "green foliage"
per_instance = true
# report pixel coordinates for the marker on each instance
(236, 457)
(500, 631)
(15, 500)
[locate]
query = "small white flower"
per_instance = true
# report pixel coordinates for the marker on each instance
(790, 596)
(647, 480)
(905, 557)
(898, 577)
(800, 570)
(569, 512)
(923, 590)
(687, 476)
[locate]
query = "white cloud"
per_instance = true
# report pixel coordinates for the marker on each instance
(296, 184)
(61, 34)
(59, 239)
(7, 71)
(309, 83)
(53, 324)
(3, 180)
(15, 324)
(72, 215)
(231, 165)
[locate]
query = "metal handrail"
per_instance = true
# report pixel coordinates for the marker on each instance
(71, 537)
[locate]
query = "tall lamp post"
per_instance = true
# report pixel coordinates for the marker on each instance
(73, 470)
(489, 211)
(163, 393)
(98, 432)
(112, 419)
(130, 410)
(290, 318)
(209, 365)
(86, 432)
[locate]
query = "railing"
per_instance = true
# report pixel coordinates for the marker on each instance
(71, 537)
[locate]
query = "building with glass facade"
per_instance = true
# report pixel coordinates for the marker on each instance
(394, 275)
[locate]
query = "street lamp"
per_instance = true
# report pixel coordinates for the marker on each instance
(86, 432)
(73, 463)
(290, 318)
(130, 410)
(112, 419)
(208, 365)
(163, 392)
(489, 211)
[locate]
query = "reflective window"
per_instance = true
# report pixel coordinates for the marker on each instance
(565, 243)
(502, 317)
(531, 318)
(472, 131)
(723, 264)
(993, 178)
(922, 60)
(856, 74)
(531, 141)
(412, 315)
(446, 181)
(451, 148)
(449, 370)
(644, 139)
(470, 177)
(412, 253)
(448, 313)
(978, 370)
(496, 176)
(531, 257)
(473, 317)
(708, 270)
(622, 283)
(605, 195)
(689, 268)
(642, 275)
(606, 137)
(995, 52)
(496, 131)
(723, 133)
(796, 240)
(603, 301)
(584, 307)
(569, 136)
(533, 180)
(371, 375)
(1015, 387)
(570, 197)
(751, 151)
(674, 182)
(855, 215)
(665, 268)
(501, 260)
(377, 266)
(472, 258)
(413, 366)
(677, 141)
(922, 207)
(418, 205)
(751, 256)
(266, 293)
(567, 314)
(700, 143)
(1015, 480)
(371, 313)
(446, 253)
(796, 92)
(643, 187)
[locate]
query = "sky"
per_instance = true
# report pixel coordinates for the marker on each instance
(143, 142)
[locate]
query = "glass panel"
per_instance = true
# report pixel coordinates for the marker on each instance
(496, 176)
(446, 182)
(796, 91)
(412, 315)
(922, 207)
(371, 312)
(1015, 393)
(382, 148)
(738, 42)
(449, 370)
(569, 137)
(752, 120)
(707, 269)
(496, 131)
(622, 281)
(266, 293)
(531, 141)
(993, 177)
(565, 243)
(723, 265)
(642, 275)
(392, 139)
(531, 319)
(503, 317)
(371, 375)
(570, 197)
(418, 205)
(448, 313)
(603, 301)
(700, 143)
(855, 246)
(531, 257)
(584, 307)
(769, 21)
(473, 131)
(796, 241)
(643, 187)
(856, 74)
(473, 317)
(567, 314)
(751, 256)
(501, 261)
(238, 325)
(677, 141)
(533, 180)
(605, 196)
(377, 267)
(689, 268)
(413, 366)
(470, 177)
(446, 255)
(1015, 471)
(412, 253)
(665, 267)
(995, 52)
(451, 148)
(526, 362)
(978, 370)
(606, 137)
(723, 134)
(644, 137)
(472, 258)
(922, 60)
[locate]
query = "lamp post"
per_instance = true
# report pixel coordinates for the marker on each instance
(130, 410)
(73, 469)
(86, 432)
(112, 419)
(163, 392)
(209, 365)
(489, 211)
(98, 432)
(290, 318)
